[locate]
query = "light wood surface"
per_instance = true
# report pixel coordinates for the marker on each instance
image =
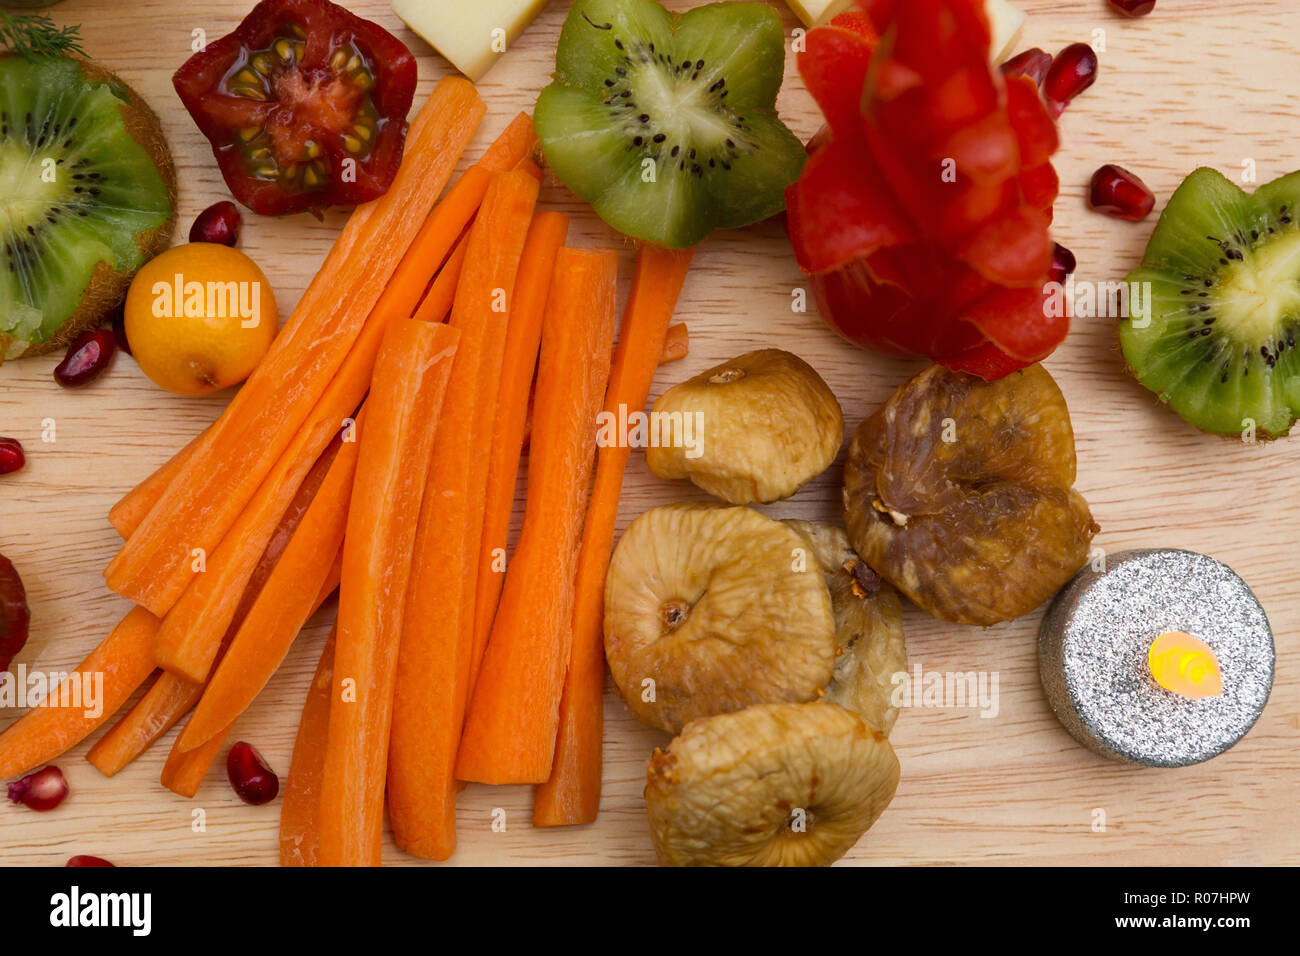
(1200, 82)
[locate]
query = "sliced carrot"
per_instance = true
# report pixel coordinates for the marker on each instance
(437, 639)
(442, 293)
(677, 344)
(132, 507)
(572, 794)
(332, 579)
(300, 805)
(283, 605)
(523, 336)
(516, 142)
(511, 721)
(169, 697)
(191, 632)
(403, 410)
(202, 503)
(184, 770)
(124, 660)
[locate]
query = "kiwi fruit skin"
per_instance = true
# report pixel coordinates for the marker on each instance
(687, 98)
(1219, 343)
(107, 287)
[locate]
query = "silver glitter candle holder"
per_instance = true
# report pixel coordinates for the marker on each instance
(1092, 657)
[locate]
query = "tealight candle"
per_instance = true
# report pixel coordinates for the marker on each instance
(1164, 658)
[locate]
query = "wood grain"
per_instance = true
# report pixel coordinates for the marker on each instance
(1197, 83)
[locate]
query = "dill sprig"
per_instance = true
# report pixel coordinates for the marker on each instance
(35, 35)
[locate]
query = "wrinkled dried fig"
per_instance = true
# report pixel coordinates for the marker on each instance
(772, 785)
(756, 428)
(959, 493)
(868, 627)
(708, 610)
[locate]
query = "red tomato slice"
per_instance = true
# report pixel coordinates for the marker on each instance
(922, 216)
(304, 104)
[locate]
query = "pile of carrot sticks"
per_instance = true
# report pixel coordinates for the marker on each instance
(375, 451)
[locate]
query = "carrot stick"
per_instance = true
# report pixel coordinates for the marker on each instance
(184, 770)
(404, 407)
(191, 632)
(125, 661)
(511, 721)
(132, 507)
(206, 497)
(300, 805)
(677, 343)
(572, 794)
(169, 697)
(511, 149)
(442, 293)
(436, 646)
(286, 601)
(523, 336)
(515, 143)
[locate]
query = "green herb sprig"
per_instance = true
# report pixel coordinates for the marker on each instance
(32, 36)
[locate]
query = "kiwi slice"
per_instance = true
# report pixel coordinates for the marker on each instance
(1219, 344)
(87, 195)
(666, 124)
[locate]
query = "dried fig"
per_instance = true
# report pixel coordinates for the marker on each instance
(868, 627)
(707, 610)
(764, 424)
(772, 785)
(959, 493)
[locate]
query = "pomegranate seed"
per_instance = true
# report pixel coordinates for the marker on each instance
(88, 355)
(119, 331)
(1033, 63)
(1117, 192)
(43, 790)
(218, 223)
(15, 617)
(1062, 263)
(252, 778)
(11, 455)
(1072, 72)
(82, 860)
(1134, 8)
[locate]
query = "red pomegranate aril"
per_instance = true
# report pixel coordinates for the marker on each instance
(218, 223)
(83, 860)
(88, 356)
(1134, 8)
(15, 616)
(11, 455)
(1062, 263)
(1117, 192)
(1033, 63)
(43, 790)
(1072, 72)
(252, 778)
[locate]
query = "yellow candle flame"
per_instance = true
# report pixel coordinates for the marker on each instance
(1185, 665)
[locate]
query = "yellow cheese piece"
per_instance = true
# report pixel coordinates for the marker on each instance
(472, 34)
(1005, 20)
(813, 12)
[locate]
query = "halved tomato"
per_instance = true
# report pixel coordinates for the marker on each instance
(305, 105)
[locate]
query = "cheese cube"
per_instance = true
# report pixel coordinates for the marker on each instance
(472, 34)
(1005, 20)
(813, 12)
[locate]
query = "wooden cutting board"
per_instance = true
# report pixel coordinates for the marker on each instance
(1200, 82)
